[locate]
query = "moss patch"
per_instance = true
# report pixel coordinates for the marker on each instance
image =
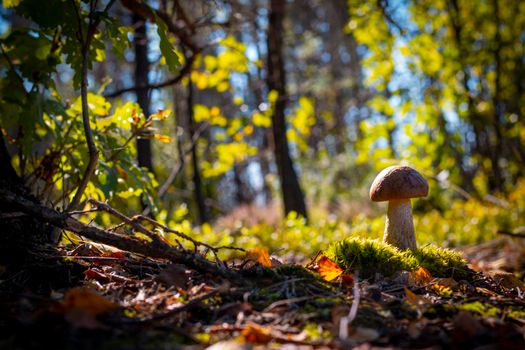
(440, 262)
(370, 256)
(373, 256)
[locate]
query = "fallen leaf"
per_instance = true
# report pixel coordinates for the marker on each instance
(86, 300)
(94, 274)
(81, 306)
(253, 333)
(507, 280)
(328, 269)
(420, 277)
(260, 255)
(413, 298)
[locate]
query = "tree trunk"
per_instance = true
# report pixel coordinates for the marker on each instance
(140, 40)
(293, 197)
(197, 181)
(20, 233)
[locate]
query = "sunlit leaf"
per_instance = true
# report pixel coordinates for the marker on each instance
(328, 269)
(420, 277)
(166, 47)
(260, 255)
(253, 333)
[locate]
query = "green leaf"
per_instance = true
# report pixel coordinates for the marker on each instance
(166, 48)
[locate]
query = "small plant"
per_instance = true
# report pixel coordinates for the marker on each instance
(371, 256)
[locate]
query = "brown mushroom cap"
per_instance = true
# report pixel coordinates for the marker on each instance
(398, 182)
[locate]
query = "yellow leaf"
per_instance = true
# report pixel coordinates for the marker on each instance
(201, 113)
(260, 255)
(420, 277)
(328, 269)
(273, 96)
(261, 120)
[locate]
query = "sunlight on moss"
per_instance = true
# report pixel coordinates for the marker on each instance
(439, 261)
(372, 256)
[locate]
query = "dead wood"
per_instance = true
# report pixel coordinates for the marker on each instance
(154, 249)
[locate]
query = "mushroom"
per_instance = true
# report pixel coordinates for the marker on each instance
(397, 184)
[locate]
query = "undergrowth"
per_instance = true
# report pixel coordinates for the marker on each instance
(371, 256)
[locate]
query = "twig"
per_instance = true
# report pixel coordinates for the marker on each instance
(287, 302)
(193, 302)
(511, 234)
(347, 320)
(92, 148)
(133, 223)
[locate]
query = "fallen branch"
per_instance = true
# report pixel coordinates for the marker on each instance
(517, 234)
(156, 249)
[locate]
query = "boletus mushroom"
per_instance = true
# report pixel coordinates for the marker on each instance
(397, 184)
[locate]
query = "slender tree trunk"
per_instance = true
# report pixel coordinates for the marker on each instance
(202, 213)
(293, 197)
(140, 40)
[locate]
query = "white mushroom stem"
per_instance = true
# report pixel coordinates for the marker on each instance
(399, 227)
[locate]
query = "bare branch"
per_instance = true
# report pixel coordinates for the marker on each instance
(183, 72)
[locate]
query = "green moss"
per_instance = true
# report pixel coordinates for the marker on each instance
(480, 309)
(518, 314)
(372, 256)
(439, 261)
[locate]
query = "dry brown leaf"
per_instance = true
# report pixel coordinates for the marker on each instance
(260, 255)
(253, 333)
(328, 269)
(86, 300)
(507, 280)
(420, 277)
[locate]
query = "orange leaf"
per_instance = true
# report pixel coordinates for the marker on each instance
(420, 277)
(253, 333)
(86, 300)
(328, 269)
(260, 255)
(414, 299)
(163, 138)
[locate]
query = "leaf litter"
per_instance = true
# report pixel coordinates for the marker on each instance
(122, 299)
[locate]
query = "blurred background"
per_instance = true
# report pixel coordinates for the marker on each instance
(273, 117)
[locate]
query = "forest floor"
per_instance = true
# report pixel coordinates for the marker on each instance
(94, 297)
